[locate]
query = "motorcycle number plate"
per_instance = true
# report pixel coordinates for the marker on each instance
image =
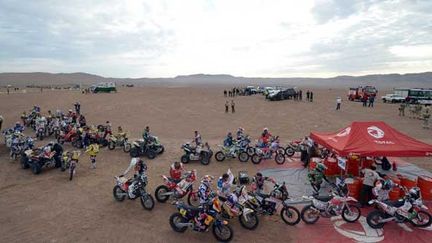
(183, 212)
(208, 220)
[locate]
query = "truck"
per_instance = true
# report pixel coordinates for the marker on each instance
(104, 88)
(419, 95)
(357, 94)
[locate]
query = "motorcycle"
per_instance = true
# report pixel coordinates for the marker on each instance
(267, 204)
(36, 160)
(155, 145)
(248, 218)
(114, 141)
(70, 136)
(408, 209)
(54, 130)
(231, 152)
(292, 148)
(178, 190)
(121, 188)
(139, 148)
(267, 153)
(339, 203)
(200, 153)
(185, 217)
(70, 161)
(40, 132)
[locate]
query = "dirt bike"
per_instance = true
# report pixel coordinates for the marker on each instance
(267, 204)
(267, 153)
(54, 130)
(292, 148)
(408, 209)
(178, 190)
(120, 191)
(70, 161)
(40, 132)
(339, 203)
(186, 217)
(231, 152)
(201, 153)
(248, 218)
(70, 136)
(114, 141)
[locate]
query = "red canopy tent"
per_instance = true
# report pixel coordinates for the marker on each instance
(372, 138)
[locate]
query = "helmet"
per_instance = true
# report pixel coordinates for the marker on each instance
(207, 179)
(265, 129)
(414, 193)
(320, 167)
(387, 185)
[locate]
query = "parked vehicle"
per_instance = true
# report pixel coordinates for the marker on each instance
(339, 203)
(123, 142)
(174, 190)
(392, 98)
(359, 93)
(236, 207)
(417, 95)
(185, 217)
(409, 209)
(202, 153)
(36, 159)
(267, 153)
(293, 147)
(121, 188)
(283, 94)
(141, 148)
(40, 132)
(231, 152)
(268, 204)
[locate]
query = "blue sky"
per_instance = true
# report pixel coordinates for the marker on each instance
(287, 38)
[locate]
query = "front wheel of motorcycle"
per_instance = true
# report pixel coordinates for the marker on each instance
(219, 156)
(147, 202)
(251, 223)
(127, 147)
(351, 213)
(423, 219)
(289, 151)
(290, 215)
(151, 154)
(118, 193)
(111, 145)
(243, 157)
(175, 219)
(256, 159)
(193, 199)
(160, 190)
(185, 159)
(250, 151)
(222, 232)
(373, 219)
(309, 215)
(280, 158)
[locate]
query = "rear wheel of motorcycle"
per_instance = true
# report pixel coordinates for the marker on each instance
(147, 202)
(219, 156)
(177, 218)
(353, 216)
(185, 159)
(205, 159)
(290, 215)
(423, 219)
(289, 151)
(243, 157)
(111, 145)
(251, 223)
(159, 190)
(118, 193)
(36, 168)
(256, 159)
(373, 218)
(193, 199)
(280, 158)
(126, 147)
(222, 232)
(24, 162)
(308, 215)
(151, 154)
(250, 151)
(134, 152)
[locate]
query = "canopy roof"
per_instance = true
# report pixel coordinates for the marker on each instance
(372, 138)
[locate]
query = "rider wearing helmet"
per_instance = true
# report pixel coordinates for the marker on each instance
(228, 142)
(140, 169)
(176, 171)
(204, 189)
(18, 127)
(317, 175)
(382, 189)
(224, 184)
(240, 133)
(266, 135)
(259, 180)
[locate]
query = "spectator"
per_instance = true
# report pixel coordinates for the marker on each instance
(225, 93)
(364, 100)
(338, 103)
(7, 90)
(77, 107)
(232, 106)
(307, 95)
(402, 109)
(229, 93)
(371, 101)
(300, 95)
(370, 176)
(311, 96)
(226, 106)
(426, 116)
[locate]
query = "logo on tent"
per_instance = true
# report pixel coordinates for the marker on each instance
(344, 132)
(375, 132)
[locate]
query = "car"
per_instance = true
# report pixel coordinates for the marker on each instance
(392, 98)
(282, 94)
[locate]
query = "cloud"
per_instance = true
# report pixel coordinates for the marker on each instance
(133, 38)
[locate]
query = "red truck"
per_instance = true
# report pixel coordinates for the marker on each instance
(357, 94)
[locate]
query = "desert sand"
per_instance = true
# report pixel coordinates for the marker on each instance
(50, 208)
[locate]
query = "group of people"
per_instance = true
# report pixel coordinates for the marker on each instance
(232, 92)
(368, 101)
(417, 111)
(227, 104)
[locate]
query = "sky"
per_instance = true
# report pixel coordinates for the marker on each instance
(250, 38)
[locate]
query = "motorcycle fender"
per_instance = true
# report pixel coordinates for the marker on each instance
(246, 212)
(424, 207)
(351, 199)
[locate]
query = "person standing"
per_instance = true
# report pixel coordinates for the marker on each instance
(307, 95)
(226, 106)
(311, 96)
(225, 93)
(371, 101)
(232, 106)
(402, 109)
(426, 116)
(300, 95)
(93, 150)
(370, 176)
(338, 103)
(364, 100)
(77, 107)
(1, 122)
(7, 90)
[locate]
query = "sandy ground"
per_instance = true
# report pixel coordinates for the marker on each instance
(49, 208)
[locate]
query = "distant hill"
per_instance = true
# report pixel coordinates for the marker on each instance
(421, 80)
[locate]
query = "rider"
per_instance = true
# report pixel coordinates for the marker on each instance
(224, 184)
(197, 140)
(146, 134)
(176, 171)
(317, 175)
(259, 180)
(204, 194)
(382, 189)
(140, 169)
(18, 127)
(229, 142)
(240, 133)
(266, 135)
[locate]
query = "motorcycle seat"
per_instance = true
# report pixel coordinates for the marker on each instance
(323, 198)
(263, 195)
(191, 209)
(396, 204)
